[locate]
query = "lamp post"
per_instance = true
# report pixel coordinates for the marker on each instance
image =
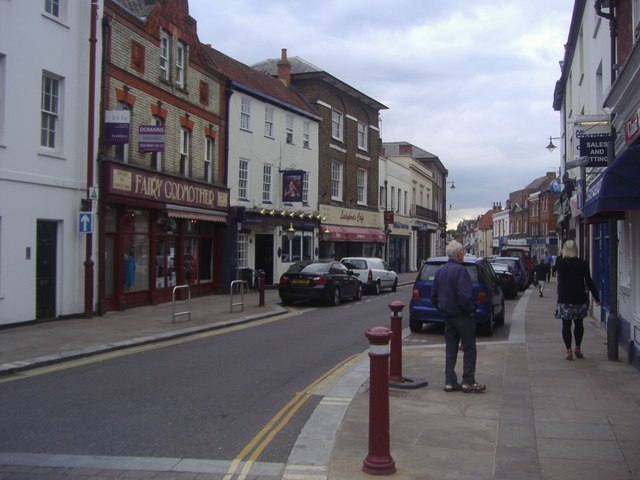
(551, 147)
(453, 185)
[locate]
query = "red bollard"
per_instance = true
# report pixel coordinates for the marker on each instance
(395, 371)
(261, 288)
(379, 461)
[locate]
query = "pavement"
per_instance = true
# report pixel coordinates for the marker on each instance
(542, 417)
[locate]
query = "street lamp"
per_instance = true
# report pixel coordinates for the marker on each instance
(551, 147)
(453, 185)
(290, 232)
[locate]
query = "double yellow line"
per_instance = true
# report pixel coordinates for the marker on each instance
(242, 463)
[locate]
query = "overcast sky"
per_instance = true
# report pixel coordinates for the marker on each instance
(470, 81)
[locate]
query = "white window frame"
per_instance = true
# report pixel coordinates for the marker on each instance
(336, 181)
(185, 140)
(243, 250)
(305, 188)
(337, 125)
(157, 156)
(363, 136)
(3, 96)
(181, 61)
(268, 121)
(209, 158)
(306, 128)
(245, 113)
(243, 178)
(50, 111)
(289, 129)
(267, 183)
(165, 49)
(52, 7)
(362, 186)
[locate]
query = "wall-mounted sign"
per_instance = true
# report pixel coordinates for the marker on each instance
(151, 138)
(116, 126)
(292, 185)
(596, 147)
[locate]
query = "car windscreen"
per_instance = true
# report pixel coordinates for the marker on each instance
(505, 261)
(428, 272)
(316, 268)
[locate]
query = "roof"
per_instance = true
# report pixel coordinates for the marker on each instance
(301, 69)
(420, 155)
(256, 83)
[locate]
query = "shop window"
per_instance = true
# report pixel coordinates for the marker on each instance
(299, 248)
(136, 251)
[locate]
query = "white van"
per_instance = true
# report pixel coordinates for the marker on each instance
(374, 273)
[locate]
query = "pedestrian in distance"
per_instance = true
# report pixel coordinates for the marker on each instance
(574, 285)
(547, 261)
(541, 276)
(452, 295)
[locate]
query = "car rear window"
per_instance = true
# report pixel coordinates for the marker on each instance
(316, 268)
(428, 272)
(355, 264)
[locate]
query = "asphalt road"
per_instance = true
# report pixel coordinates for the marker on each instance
(199, 398)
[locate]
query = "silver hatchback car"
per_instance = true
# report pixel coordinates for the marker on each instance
(374, 273)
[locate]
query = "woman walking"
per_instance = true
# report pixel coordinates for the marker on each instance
(574, 283)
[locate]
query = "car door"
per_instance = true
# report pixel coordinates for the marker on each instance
(386, 275)
(494, 287)
(342, 279)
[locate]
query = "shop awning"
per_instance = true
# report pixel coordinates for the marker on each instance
(355, 234)
(615, 190)
(176, 211)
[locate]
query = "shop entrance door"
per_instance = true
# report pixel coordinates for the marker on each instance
(264, 257)
(165, 263)
(46, 269)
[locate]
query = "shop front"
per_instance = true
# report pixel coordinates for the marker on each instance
(157, 232)
(399, 240)
(350, 233)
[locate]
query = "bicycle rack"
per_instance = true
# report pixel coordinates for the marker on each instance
(243, 284)
(173, 303)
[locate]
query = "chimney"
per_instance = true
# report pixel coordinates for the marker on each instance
(406, 149)
(284, 68)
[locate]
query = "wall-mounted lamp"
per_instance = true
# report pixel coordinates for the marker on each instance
(551, 147)
(453, 185)
(290, 232)
(326, 234)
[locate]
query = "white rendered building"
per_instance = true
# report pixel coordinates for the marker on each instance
(44, 98)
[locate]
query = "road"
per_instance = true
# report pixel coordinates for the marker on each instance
(230, 394)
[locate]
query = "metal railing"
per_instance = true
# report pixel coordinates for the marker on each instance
(175, 314)
(242, 286)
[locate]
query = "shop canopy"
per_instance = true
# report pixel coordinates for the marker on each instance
(615, 190)
(355, 234)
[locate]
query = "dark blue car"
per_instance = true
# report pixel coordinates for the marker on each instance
(519, 269)
(487, 295)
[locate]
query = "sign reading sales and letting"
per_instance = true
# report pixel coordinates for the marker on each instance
(596, 147)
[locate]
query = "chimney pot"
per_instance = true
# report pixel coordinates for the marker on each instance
(284, 68)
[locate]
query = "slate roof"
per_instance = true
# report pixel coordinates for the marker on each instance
(302, 69)
(259, 84)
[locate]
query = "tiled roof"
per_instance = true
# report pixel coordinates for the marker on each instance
(262, 84)
(139, 8)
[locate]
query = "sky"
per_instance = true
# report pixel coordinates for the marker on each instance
(470, 81)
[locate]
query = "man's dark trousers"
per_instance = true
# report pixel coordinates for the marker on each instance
(457, 329)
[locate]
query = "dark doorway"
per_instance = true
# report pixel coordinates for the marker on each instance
(264, 257)
(46, 270)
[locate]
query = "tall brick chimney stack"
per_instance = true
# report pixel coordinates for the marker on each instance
(284, 68)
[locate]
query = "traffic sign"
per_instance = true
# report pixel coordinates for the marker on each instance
(85, 222)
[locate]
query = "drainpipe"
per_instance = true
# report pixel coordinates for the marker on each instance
(88, 263)
(612, 225)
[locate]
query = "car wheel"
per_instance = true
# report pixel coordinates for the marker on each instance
(395, 285)
(337, 298)
(487, 328)
(376, 288)
(415, 326)
(500, 319)
(358, 296)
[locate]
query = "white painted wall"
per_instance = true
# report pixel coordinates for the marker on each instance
(36, 183)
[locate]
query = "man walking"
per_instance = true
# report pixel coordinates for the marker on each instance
(453, 297)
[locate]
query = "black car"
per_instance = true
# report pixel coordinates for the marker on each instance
(324, 281)
(506, 279)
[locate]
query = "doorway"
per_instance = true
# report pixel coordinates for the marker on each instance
(46, 247)
(264, 256)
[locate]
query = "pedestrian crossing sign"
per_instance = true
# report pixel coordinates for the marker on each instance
(85, 222)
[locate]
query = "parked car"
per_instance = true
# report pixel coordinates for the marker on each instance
(506, 279)
(374, 273)
(487, 295)
(519, 269)
(324, 281)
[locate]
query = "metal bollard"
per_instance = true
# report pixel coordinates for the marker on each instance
(395, 370)
(261, 288)
(379, 461)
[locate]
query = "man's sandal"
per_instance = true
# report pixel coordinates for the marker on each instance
(473, 388)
